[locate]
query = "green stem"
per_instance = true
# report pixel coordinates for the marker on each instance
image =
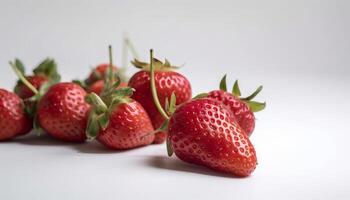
(132, 48)
(23, 79)
(111, 77)
(124, 53)
(154, 90)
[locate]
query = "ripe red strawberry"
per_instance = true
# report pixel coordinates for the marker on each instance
(167, 82)
(62, 112)
(129, 125)
(98, 73)
(45, 72)
(13, 120)
(242, 108)
(97, 87)
(95, 81)
(204, 132)
(118, 121)
(24, 92)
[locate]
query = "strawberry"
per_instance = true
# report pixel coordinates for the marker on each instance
(24, 92)
(118, 121)
(62, 112)
(98, 73)
(13, 119)
(242, 108)
(128, 124)
(204, 132)
(45, 72)
(95, 81)
(32, 88)
(167, 82)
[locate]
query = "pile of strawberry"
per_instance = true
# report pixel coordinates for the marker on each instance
(154, 106)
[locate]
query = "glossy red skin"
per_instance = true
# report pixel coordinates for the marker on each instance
(128, 126)
(166, 83)
(63, 112)
(243, 114)
(13, 120)
(102, 69)
(24, 92)
(204, 132)
(97, 87)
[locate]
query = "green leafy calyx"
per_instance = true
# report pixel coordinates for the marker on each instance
(253, 105)
(48, 68)
(157, 64)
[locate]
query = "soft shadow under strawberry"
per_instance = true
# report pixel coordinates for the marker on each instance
(46, 140)
(42, 140)
(166, 163)
(93, 147)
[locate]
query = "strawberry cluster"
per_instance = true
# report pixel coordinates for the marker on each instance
(154, 106)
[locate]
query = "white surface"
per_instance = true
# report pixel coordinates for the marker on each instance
(298, 50)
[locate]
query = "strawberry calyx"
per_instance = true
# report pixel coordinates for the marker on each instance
(101, 110)
(48, 68)
(157, 64)
(96, 75)
(253, 105)
(18, 68)
(103, 105)
(81, 83)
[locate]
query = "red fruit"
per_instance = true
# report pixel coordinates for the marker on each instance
(204, 132)
(13, 120)
(118, 121)
(97, 87)
(243, 115)
(45, 72)
(63, 113)
(37, 81)
(128, 125)
(167, 82)
(242, 108)
(99, 73)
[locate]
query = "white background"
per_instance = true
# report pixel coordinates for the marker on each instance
(299, 51)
